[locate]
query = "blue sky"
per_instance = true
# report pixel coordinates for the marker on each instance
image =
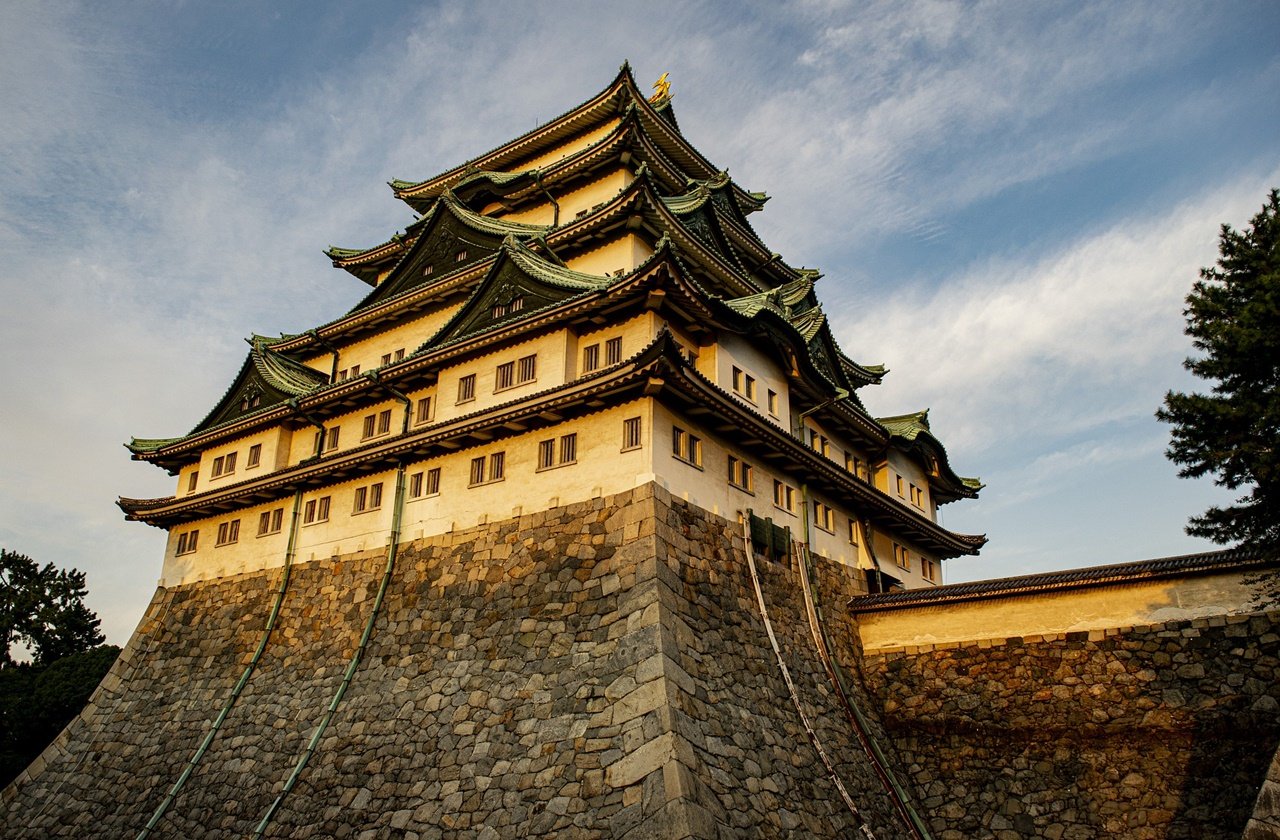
(1009, 202)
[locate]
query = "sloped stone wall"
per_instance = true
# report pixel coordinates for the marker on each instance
(597, 670)
(1161, 731)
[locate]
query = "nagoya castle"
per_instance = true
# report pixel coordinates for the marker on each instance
(575, 525)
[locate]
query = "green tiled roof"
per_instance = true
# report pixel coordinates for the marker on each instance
(142, 445)
(906, 426)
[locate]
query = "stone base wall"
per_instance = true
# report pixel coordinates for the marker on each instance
(1162, 731)
(595, 670)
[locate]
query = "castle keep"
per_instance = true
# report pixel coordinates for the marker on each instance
(576, 526)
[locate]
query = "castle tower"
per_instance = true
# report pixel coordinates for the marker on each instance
(534, 540)
(576, 313)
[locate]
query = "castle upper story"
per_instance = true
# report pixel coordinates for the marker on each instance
(577, 312)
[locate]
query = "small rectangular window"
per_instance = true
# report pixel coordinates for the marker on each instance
(187, 542)
(741, 474)
(477, 471)
(461, 256)
(217, 467)
(368, 498)
(824, 517)
(929, 569)
(399, 354)
(386, 358)
(784, 496)
(497, 466)
(744, 384)
(369, 423)
(773, 403)
(546, 454)
(228, 532)
(631, 433)
(901, 556)
(191, 481)
(331, 438)
(590, 358)
(467, 388)
(505, 377)
(900, 486)
(569, 448)
(384, 421)
(316, 510)
(686, 447)
(613, 351)
(424, 483)
(528, 369)
(424, 410)
(255, 456)
(853, 531)
(270, 521)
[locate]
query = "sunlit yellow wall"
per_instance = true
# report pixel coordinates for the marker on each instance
(574, 202)
(368, 352)
(602, 468)
(275, 443)
(621, 254)
(575, 144)
(1042, 614)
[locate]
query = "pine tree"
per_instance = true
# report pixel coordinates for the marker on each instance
(43, 607)
(1233, 317)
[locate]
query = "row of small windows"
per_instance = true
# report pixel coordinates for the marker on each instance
(516, 304)
(917, 493)
(744, 385)
(555, 452)
(507, 375)
(549, 455)
(377, 424)
(688, 447)
(354, 371)
(591, 354)
(821, 444)
(226, 465)
(430, 268)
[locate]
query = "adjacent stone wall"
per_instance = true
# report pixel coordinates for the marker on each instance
(596, 670)
(1161, 731)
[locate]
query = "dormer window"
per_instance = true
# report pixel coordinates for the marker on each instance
(250, 401)
(514, 305)
(428, 270)
(461, 256)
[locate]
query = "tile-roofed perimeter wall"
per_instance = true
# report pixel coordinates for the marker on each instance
(1131, 701)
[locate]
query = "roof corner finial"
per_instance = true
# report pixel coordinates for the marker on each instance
(625, 67)
(662, 90)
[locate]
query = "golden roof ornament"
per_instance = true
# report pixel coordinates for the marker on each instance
(663, 90)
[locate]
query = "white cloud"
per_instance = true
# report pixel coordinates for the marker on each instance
(144, 240)
(1048, 345)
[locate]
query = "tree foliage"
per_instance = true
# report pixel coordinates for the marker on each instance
(43, 608)
(1231, 433)
(37, 702)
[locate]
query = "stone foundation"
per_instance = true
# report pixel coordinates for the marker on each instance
(596, 670)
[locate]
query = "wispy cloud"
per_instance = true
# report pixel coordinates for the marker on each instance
(1047, 345)
(145, 235)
